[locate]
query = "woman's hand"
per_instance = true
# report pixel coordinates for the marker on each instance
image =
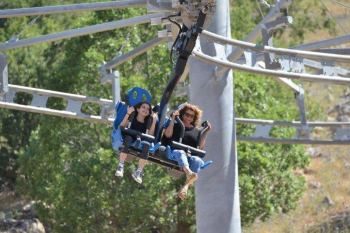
(155, 116)
(175, 114)
(209, 126)
(130, 110)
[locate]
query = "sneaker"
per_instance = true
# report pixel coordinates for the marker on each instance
(119, 172)
(137, 176)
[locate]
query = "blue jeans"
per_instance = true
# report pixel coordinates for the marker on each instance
(194, 162)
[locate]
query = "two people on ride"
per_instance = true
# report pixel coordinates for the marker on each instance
(143, 116)
(190, 115)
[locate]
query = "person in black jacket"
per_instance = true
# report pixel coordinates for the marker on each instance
(139, 123)
(190, 116)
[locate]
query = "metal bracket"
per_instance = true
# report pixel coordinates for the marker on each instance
(342, 134)
(328, 68)
(266, 30)
(292, 64)
(3, 76)
(114, 79)
(39, 100)
(262, 131)
(299, 97)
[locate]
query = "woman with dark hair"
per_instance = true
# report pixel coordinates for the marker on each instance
(190, 115)
(139, 123)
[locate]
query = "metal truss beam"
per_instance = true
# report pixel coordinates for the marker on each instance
(80, 31)
(53, 112)
(296, 65)
(280, 51)
(73, 108)
(292, 123)
(273, 13)
(273, 73)
(340, 132)
(46, 10)
(137, 51)
(334, 51)
(262, 127)
(325, 43)
(292, 141)
(3, 75)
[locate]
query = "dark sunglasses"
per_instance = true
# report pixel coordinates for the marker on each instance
(189, 115)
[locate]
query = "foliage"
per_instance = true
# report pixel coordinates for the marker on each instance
(267, 182)
(66, 166)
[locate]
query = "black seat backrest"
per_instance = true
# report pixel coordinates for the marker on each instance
(178, 144)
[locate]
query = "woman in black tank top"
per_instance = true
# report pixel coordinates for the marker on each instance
(140, 122)
(190, 115)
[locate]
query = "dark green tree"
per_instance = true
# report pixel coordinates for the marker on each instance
(67, 166)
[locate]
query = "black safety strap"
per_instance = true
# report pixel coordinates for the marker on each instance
(184, 47)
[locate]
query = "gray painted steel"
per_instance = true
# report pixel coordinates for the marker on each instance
(55, 112)
(70, 8)
(57, 94)
(325, 43)
(293, 141)
(334, 51)
(116, 87)
(291, 123)
(217, 194)
(251, 59)
(135, 52)
(73, 109)
(80, 31)
(341, 135)
(274, 12)
(340, 132)
(272, 73)
(3, 75)
(280, 51)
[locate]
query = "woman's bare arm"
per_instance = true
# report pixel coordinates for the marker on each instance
(126, 117)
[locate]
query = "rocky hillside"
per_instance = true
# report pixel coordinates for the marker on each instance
(17, 215)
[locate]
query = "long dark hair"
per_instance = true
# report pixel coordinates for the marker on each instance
(137, 106)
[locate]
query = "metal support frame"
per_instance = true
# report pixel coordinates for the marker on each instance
(72, 110)
(111, 77)
(116, 87)
(273, 13)
(281, 51)
(229, 218)
(80, 31)
(135, 52)
(3, 76)
(334, 51)
(266, 32)
(324, 43)
(273, 73)
(340, 136)
(293, 64)
(221, 180)
(46, 10)
(341, 130)
(272, 63)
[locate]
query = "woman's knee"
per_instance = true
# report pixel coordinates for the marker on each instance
(181, 157)
(196, 163)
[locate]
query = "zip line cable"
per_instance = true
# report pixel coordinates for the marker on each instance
(33, 21)
(259, 8)
(341, 4)
(331, 15)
